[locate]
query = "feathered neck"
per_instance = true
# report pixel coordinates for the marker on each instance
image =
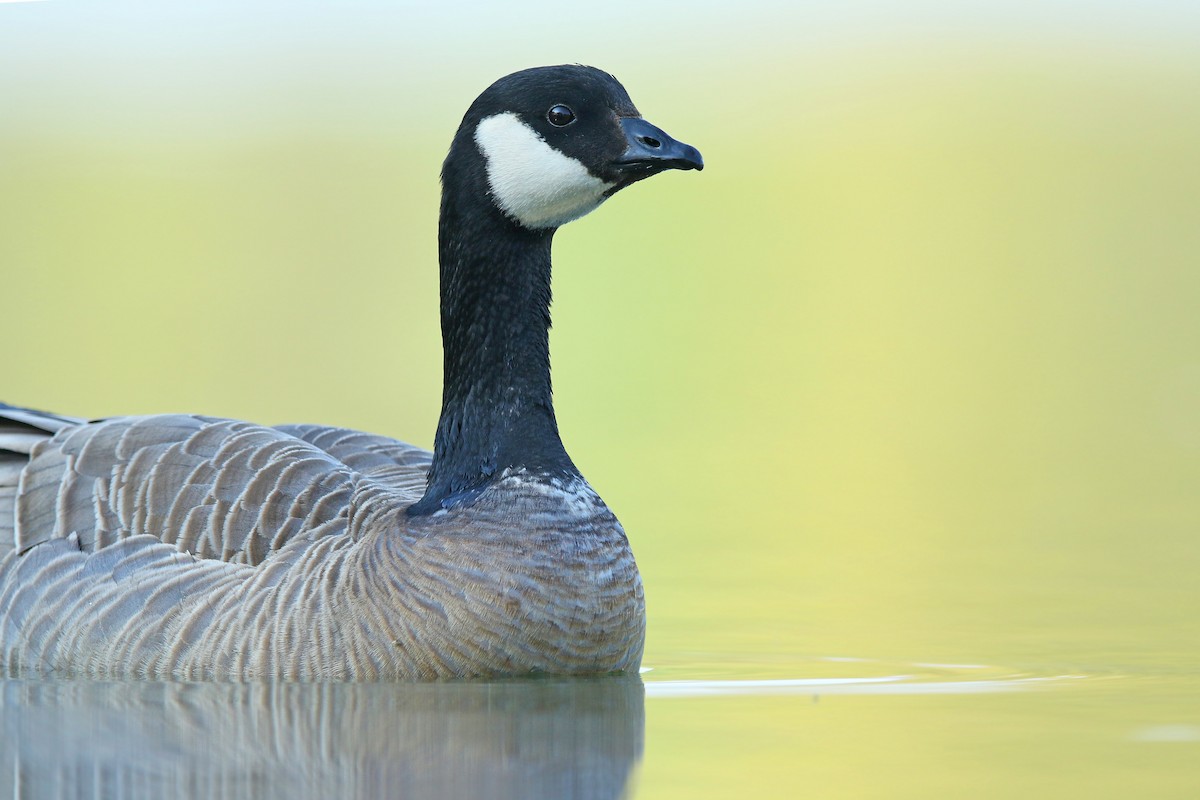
(497, 406)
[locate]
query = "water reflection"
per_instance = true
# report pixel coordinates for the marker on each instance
(527, 739)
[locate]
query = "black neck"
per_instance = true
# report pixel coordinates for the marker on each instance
(497, 409)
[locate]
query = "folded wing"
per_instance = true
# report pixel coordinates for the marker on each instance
(218, 489)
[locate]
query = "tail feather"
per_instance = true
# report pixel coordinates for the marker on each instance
(21, 429)
(15, 418)
(20, 441)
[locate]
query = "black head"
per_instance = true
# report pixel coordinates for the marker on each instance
(557, 141)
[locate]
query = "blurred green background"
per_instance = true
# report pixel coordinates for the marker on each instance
(910, 372)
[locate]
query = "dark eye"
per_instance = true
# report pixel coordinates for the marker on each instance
(560, 116)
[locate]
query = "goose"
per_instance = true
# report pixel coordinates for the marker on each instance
(195, 548)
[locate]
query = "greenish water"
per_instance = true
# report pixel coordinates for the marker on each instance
(895, 730)
(897, 400)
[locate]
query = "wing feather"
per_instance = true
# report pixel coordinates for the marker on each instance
(218, 489)
(393, 463)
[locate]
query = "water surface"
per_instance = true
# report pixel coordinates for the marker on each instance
(537, 739)
(864, 727)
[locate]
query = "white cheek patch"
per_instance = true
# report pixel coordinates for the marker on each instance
(533, 183)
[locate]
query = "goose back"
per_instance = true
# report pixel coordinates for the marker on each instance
(214, 488)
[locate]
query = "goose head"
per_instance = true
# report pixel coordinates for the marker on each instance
(550, 144)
